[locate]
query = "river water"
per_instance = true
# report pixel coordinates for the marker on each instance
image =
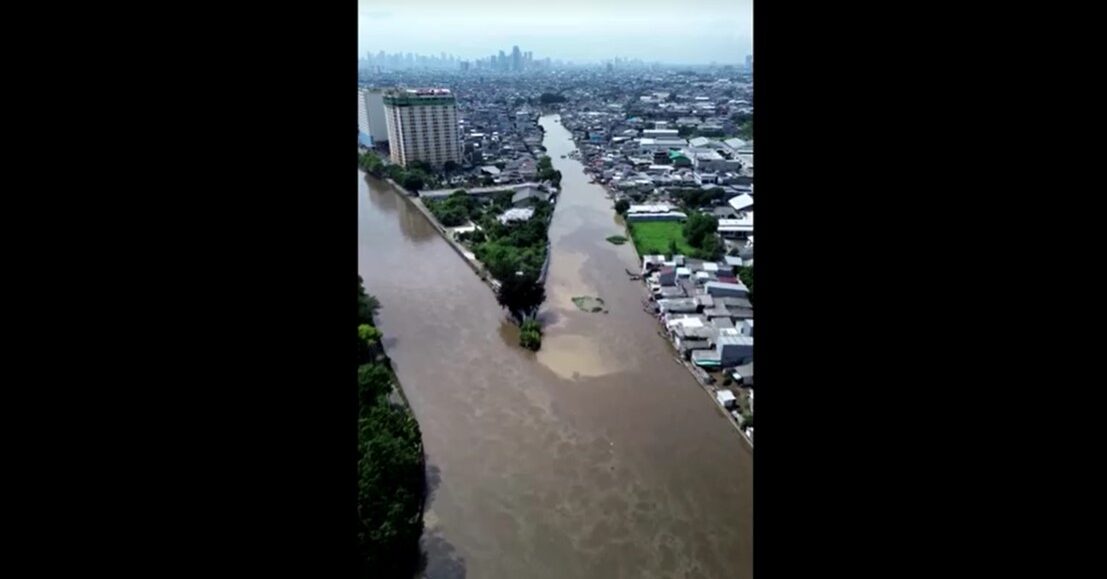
(598, 456)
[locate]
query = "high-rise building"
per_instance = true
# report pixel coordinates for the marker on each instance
(362, 114)
(370, 115)
(422, 126)
(516, 59)
(749, 62)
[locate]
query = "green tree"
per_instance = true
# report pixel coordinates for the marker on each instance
(519, 292)
(391, 474)
(530, 340)
(367, 305)
(530, 334)
(373, 382)
(673, 250)
(369, 339)
(412, 182)
(421, 166)
(369, 334)
(546, 172)
(450, 166)
(698, 227)
(709, 248)
(746, 275)
(621, 206)
(745, 131)
(739, 117)
(395, 172)
(391, 487)
(371, 163)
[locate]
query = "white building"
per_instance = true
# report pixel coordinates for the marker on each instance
(362, 113)
(661, 133)
(370, 114)
(742, 227)
(653, 213)
(649, 145)
(516, 214)
(422, 126)
(743, 202)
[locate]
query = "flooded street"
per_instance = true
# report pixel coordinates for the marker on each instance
(598, 456)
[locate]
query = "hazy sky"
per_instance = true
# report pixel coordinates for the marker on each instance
(679, 31)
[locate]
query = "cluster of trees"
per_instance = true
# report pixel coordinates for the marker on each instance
(457, 209)
(549, 98)
(521, 244)
(695, 197)
(513, 254)
(546, 172)
(391, 474)
(371, 163)
(745, 274)
(745, 130)
(415, 178)
(741, 118)
(699, 231)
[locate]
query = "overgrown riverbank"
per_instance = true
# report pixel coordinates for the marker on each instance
(391, 470)
(415, 178)
(509, 236)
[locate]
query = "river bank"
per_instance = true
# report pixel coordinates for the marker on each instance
(563, 462)
(392, 474)
(467, 256)
(708, 381)
(511, 231)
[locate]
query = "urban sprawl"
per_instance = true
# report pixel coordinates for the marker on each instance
(671, 145)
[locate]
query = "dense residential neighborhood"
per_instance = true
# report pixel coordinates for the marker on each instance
(672, 148)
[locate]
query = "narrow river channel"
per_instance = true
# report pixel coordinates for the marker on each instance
(598, 456)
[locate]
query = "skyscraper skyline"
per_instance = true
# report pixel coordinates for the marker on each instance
(689, 32)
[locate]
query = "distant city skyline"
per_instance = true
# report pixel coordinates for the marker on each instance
(581, 31)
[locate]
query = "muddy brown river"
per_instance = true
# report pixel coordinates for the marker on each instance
(598, 456)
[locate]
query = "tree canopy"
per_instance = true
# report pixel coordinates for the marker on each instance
(413, 182)
(367, 305)
(455, 210)
(546, 172)
(519, 292)
(391, 474)
(746, 275)
(699, 227)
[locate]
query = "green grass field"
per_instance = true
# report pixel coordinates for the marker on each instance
(652, 237)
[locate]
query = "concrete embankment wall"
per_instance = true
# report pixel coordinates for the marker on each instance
(475, 265)
(418, 204)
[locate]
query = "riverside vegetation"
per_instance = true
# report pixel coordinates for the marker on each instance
(391, 486)
(513, 253)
